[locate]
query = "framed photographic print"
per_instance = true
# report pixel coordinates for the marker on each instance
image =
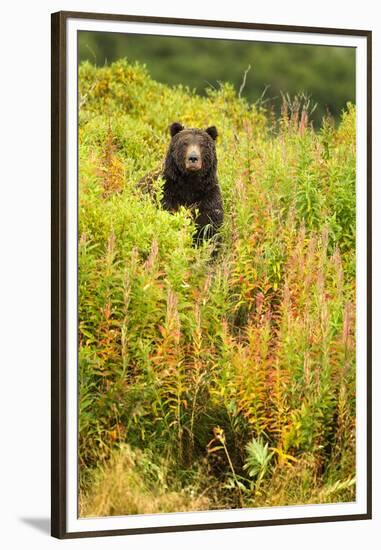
(211, 264)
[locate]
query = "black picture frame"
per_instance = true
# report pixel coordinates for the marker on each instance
(59, 266)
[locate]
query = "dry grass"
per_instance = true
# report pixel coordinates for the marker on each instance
(120, 488)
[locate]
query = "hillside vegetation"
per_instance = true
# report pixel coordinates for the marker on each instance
(214, 384)
(325, 72)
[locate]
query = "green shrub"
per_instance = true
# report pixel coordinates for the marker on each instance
(259, 344)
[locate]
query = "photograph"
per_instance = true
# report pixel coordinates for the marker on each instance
(216, 221)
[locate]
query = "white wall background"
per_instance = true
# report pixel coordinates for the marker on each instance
(25, 271)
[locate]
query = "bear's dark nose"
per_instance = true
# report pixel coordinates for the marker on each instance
(193, 157)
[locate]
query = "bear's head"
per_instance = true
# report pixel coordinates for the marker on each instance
(192, 151)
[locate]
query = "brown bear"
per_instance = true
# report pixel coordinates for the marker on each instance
(190, 178)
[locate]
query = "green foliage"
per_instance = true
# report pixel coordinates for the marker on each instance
(325, 73)
(199, 379)
(258, 459)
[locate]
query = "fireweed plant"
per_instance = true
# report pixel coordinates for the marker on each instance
(223, 384)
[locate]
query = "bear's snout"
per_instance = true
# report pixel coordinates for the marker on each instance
(193, 158)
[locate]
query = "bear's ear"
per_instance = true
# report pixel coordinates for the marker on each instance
(212, 131)
(175, 128)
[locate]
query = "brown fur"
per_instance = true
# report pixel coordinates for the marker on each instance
(190, 176)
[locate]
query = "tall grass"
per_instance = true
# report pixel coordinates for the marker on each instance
(220, 384)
